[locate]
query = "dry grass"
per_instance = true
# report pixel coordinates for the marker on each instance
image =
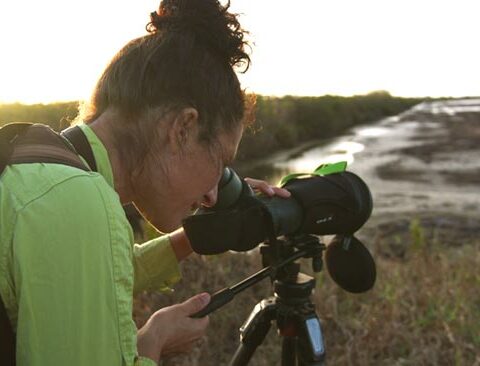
(424, 309)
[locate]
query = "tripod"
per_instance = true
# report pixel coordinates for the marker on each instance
(290, 307)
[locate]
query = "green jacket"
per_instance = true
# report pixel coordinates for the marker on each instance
(68, 265)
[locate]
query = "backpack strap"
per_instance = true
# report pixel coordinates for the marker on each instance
(39, 143)
(42, 144)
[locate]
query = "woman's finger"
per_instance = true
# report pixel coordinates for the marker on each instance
(266, 188)
(281, 192)
(260, 185)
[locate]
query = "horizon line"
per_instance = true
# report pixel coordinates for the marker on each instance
(66, 101)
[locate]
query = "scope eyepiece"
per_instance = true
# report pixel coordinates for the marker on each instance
(230, 189)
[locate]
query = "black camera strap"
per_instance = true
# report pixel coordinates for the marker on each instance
(79, 141)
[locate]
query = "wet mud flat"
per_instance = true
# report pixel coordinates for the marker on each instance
(449, 148)
(428, 181)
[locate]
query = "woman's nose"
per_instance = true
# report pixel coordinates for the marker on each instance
(210, 199)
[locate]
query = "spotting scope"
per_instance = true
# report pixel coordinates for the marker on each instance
(338, 203)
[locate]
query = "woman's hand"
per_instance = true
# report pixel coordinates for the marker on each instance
(262, 186)
(171, 331)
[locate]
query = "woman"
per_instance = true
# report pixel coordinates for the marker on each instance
(164, 120)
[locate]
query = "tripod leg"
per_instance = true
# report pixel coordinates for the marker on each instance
(303, 340)
(289, 351)
(242, 355)
(254, 331)
(303, 345)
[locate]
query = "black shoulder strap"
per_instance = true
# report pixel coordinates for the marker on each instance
(79, 141)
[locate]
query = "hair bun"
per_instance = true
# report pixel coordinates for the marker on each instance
(209, 21)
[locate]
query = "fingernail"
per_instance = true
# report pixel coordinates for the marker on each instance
(205, 298)
(270, 191)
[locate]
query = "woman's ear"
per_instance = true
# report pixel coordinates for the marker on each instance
(183, 128)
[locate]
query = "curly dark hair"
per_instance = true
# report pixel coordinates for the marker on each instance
(188, 59)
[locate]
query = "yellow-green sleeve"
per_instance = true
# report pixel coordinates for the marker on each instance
(156, 266)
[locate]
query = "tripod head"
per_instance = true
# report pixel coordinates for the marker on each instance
(279, 253)
(276, 261)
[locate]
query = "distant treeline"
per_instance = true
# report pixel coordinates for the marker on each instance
(280, 122)
(289, 121)
(56, 115)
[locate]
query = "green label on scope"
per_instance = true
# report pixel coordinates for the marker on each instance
(324, 169)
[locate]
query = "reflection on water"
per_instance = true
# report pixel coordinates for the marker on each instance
(349, 147)
(450, 107)
(372, 131)
(306, 161)
(331, 153)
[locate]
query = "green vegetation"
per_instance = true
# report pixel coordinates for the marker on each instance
(281, 123)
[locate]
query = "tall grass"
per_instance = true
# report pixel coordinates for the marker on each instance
(424, 309)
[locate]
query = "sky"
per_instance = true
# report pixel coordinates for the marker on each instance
(54, 50)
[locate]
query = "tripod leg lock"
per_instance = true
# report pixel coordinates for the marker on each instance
(315, 337)
(259, 321)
